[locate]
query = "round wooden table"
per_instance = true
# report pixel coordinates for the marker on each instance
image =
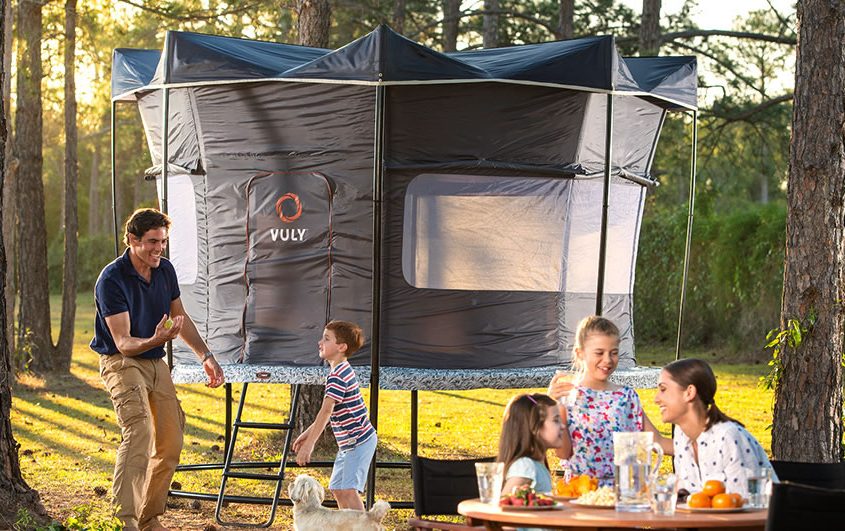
(580, 518)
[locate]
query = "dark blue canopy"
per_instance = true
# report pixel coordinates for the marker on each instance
(384, 56)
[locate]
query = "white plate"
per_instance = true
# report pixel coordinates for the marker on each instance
(556, 505)
(687, 509)
(563, 498)
(591, 506)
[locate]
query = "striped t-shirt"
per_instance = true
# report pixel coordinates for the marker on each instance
(349, 420)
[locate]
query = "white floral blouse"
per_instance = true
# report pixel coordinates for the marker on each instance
(725, 452)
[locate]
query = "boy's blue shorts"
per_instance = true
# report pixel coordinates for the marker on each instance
(351, 466)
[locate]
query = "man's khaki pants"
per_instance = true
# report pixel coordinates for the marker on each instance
(151, 421)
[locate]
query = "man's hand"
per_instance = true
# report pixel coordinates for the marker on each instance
(214, 372)
(164, 333)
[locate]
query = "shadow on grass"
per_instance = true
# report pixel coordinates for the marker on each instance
(471, 399)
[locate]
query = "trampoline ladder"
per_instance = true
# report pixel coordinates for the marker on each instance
(229, 467)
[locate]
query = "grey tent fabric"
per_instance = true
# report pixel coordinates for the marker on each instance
(489, 166)
(383, 56)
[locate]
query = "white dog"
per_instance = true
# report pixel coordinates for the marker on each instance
(310, 515)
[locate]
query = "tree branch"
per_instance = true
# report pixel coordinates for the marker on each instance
(201, 14)
(689, 34)
(726, 66)
(692, 33)
(746, 114)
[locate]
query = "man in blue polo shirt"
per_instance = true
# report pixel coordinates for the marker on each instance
(138, 312)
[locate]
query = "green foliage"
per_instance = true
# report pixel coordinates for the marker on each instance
(94, 253)
(90, 517)
(781, 340)
(24, 348)
(735, 275)
(24, 520)
(85, 517)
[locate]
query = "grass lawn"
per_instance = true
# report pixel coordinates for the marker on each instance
(68, 435)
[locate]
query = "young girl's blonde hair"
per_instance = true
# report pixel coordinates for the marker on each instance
(521, 425)
(592, 324)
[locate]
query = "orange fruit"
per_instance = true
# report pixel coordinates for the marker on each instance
(723, 501)
(737, 499)
(699, 500)
(713, 487)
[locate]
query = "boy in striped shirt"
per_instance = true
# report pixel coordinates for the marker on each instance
(344, 406)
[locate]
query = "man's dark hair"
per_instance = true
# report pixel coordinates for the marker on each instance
(143, 220)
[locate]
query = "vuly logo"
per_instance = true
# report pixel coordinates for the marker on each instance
(289, 234)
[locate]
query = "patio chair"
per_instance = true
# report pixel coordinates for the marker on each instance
(796, 506)
(439, 486)
(826, 475)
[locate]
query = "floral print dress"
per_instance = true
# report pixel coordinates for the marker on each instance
(592, 417)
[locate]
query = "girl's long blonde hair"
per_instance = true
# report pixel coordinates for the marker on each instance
(521, 425)
(592, 324)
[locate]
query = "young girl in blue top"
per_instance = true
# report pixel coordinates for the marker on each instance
(531, 426)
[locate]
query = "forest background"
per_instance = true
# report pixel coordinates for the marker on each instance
(746, 78)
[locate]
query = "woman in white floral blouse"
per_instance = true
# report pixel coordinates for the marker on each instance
(708, 444)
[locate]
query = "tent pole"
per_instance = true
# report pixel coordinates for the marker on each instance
(688, 245)
(114, 176)
(165, 140)
(608, 158)
(378, 181)
(415, 422)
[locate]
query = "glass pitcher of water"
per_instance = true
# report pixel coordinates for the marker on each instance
(634, 469)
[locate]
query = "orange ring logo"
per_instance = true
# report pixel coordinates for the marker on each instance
(297, 203)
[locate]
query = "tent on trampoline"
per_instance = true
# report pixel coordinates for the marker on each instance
(466, 209)
(452, 204)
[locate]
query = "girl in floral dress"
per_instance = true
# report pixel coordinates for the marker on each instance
(593, 407)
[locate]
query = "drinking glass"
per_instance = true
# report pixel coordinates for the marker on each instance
(571, 377)
(664, 496)
(758, 481)
(489, 481)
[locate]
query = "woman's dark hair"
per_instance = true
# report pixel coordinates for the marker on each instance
(142, 220)
(697, 373)
(521, 425)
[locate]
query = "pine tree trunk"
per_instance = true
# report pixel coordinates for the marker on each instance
(566, 15)
(315, 19)
(399, 16)
(34, 315)
(808, 397)
(451, 18)
(64, 349)
(15, 494)
(491, 24)
(9, 184)
(650, 28)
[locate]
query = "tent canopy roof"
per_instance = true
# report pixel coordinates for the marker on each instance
(384, 56)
